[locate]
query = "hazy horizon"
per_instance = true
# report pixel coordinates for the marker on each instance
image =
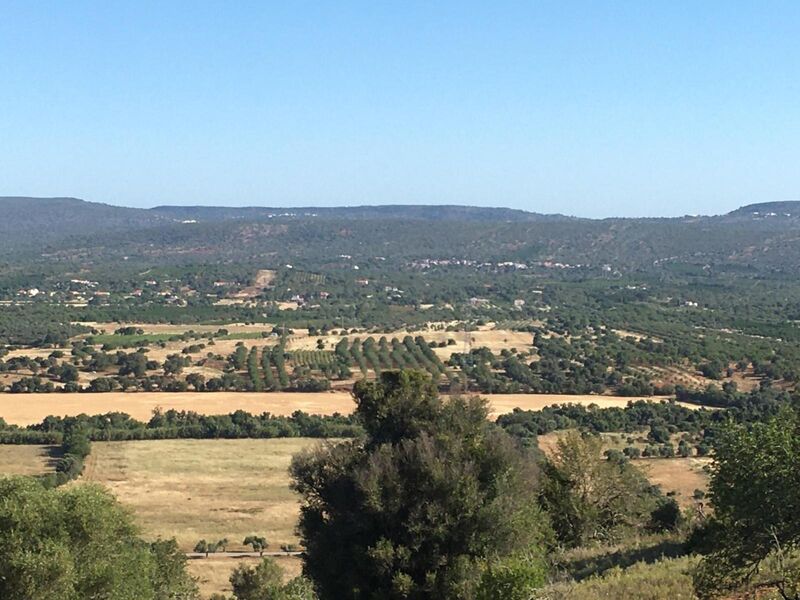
(626, 109)
(331, 206)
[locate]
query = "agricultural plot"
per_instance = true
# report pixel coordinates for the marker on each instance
(140, 405)
(26, 460)
(503, 360)
(203, 489)
(113, 341)
(313, 358)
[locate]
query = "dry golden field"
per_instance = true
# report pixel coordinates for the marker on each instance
(25, 460)
(193, 489)
(213, 489)
(680, 475)
(26, 409)
(203, 489)
(505, 403)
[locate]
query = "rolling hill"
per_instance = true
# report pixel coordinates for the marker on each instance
(68, 229)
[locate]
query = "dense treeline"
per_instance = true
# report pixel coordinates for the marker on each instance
(658, 421)
(39, 325)
(172, 424)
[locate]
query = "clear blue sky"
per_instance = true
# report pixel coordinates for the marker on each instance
(591, 108)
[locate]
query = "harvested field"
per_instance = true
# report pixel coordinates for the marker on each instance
(680, 475)
(32, 408)
(203, 489)
(506, 403)
(25, 460)
(27, 409)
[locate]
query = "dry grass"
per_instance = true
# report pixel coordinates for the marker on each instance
(506, 403)
(212, 573)
(140, 405)
(29, 352)
(32, 408)
(223, 347)
(494, 339)
(203, 489)
(668, 579)
(679, 475)
(25, 460)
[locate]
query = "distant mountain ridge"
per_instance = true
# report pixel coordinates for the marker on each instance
(387, 211)
(68, 209)
(757, 237)
(26, 222)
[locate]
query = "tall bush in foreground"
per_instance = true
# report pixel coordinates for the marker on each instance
(421, 506)
(79, 543)
(754, 491)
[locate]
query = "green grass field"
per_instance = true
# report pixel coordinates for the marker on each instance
(127, 341)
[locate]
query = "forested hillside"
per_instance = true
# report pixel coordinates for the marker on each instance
(747, 240)
(27, 223)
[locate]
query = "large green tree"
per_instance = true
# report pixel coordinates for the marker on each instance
(421, 506)
(79, 543)
(754, 492)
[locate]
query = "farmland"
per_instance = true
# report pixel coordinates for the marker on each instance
(141, 405)
(25, 460)
(239, 342)
(193, 489)
(203, 489)
(215, 489)
(506, 356)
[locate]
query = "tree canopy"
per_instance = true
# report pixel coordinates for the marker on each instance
(754, 490)
(417, 507)
(79, 543)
